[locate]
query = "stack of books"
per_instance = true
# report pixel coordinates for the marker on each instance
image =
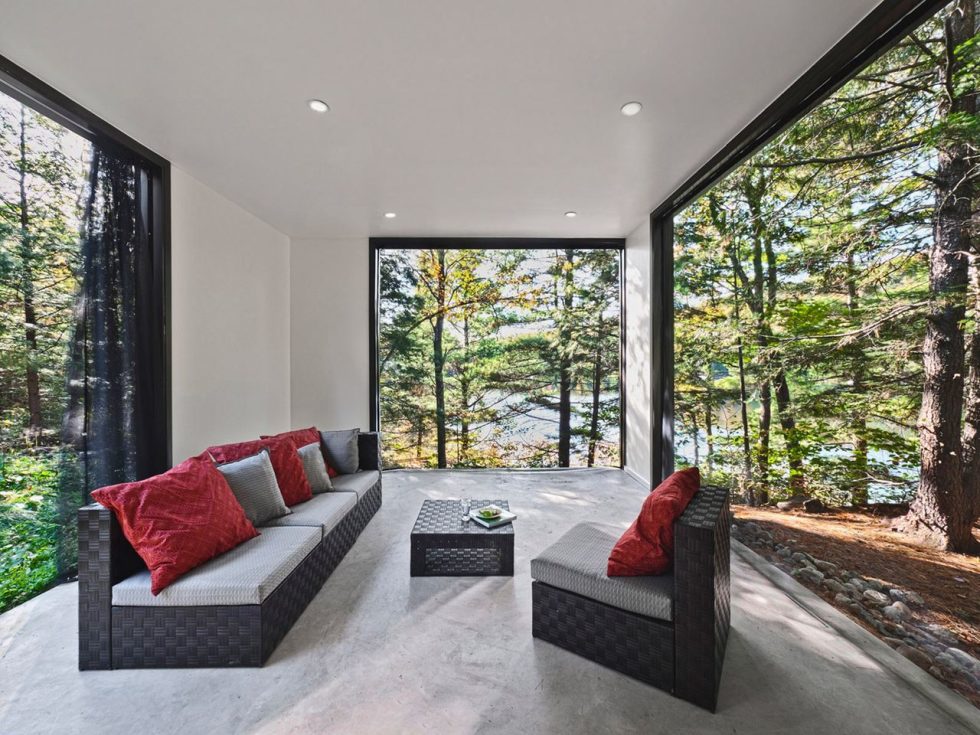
(500, 518)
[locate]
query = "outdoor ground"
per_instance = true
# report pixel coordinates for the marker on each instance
(862, 541)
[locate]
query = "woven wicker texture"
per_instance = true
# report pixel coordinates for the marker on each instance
(702, 595)
(443, 545)
(208, 635)
(577, 563)
(632, 644)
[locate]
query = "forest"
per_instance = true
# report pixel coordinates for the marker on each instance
(499, 358)
(43, 170)
(827, 297)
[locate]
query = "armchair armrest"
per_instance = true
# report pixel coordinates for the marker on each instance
(702, 595)
(104, 558)
(369, 450)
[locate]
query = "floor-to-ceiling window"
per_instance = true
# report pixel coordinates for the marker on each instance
(817, 285)
(83, 378)
(499, 357)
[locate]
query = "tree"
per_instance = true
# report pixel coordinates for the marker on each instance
(946, 504)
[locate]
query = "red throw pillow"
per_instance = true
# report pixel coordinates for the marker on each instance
(287, 465)
(303, 437)
(178, 520)
(647, 547)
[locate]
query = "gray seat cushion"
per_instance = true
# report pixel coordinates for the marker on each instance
(323, 511)
(359, 482)
(577, 563)
(246, 575)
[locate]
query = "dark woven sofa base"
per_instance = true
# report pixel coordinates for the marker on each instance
(631, 644)
(233, 635)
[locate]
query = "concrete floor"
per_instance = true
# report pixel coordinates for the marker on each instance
(379, 652)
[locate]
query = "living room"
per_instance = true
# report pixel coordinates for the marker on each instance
(448, 309)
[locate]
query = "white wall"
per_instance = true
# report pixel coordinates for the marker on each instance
(230, 321)
(329, 333)
(639, 345)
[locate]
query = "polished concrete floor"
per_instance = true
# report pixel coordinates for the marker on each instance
(380, 652)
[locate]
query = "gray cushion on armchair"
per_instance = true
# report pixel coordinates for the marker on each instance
(341, 450)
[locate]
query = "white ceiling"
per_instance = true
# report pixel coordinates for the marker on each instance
(466, 117)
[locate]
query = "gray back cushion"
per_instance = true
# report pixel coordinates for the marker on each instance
(341, 450)
(253, 481)
(315, 468)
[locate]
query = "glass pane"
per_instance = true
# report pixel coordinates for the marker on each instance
(500, 358)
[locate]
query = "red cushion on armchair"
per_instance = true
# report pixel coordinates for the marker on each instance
(178, 520)
(293, 485)
(647, 547)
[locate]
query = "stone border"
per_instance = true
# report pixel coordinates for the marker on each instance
(911, 675)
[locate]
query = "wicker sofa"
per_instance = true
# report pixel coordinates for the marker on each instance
(669, 631)
(235, 609)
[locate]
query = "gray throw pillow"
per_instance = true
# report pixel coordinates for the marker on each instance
(253, 481)
(340, 448)
(315, 468)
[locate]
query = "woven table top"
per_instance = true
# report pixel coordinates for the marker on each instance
(446, 516)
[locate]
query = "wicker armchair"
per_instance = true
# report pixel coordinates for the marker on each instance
(120, 636)
(683, 654)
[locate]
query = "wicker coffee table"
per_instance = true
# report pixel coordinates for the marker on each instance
(443, 545)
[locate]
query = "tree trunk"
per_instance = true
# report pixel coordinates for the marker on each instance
(26, 252)
(464, 393)
(943, 511)
(565, 362)
(596, 396)
(708, 428)
(859, 423)
(788, 424)
(439, 360)
(762, 446)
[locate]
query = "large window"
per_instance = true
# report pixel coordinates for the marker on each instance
(826, 294)
(83, 361)
(499, 357)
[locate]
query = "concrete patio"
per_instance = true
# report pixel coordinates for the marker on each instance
(379, 652)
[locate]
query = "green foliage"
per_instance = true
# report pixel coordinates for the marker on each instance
(810, 260)
(506, 330)
(29, 526)
(42, 177)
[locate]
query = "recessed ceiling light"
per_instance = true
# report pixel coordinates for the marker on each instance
(631, 108)
(571, 214)
(390, 215)
(319, 106)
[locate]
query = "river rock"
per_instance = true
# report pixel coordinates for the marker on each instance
(792, 503)
(841, 599)
(809, 575)
(814, 505)
(875, 585)
(965, 660)
(783, 552)
(906, 596)
(897, 611)
(827, 567)
(853, 589)
(875, 598)
(833, 585)
(919, 658)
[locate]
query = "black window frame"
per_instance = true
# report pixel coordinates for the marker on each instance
(377, 244)
(23, 86)
(877, 32)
